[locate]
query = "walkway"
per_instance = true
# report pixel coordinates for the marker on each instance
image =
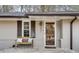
(32, 50)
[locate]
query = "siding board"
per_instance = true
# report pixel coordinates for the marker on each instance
(33, 29)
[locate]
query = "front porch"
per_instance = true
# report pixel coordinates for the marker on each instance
(36, 28)
(46, 31)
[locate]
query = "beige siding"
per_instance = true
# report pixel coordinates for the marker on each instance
(76, 35)
(65, 41)
(8, 33)
(66, 35)
(8, 30)
(58, 33)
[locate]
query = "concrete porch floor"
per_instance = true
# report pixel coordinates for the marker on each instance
(33, 50)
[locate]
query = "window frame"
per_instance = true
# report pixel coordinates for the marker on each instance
(24, 29)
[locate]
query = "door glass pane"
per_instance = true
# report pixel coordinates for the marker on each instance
(50, 34)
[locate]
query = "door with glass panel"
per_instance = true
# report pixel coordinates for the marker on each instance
(50, 34)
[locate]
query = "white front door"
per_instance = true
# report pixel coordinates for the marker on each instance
(50, 34)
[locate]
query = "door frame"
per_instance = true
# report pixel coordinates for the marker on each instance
(45, 34)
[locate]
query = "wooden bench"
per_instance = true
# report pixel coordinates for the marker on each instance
(29, 42)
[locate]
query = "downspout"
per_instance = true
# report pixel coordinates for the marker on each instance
(71, 32)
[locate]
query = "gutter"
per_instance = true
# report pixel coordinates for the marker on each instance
(71, 32)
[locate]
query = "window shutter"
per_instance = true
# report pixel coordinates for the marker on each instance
(19, 28)
(33, 29)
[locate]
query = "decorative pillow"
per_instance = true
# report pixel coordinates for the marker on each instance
(24, 40)
(19, 40)
(30, 40)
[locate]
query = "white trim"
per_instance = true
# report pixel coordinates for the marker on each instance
(30, 28)
(23, 27)
(55, 34)
(45, 35)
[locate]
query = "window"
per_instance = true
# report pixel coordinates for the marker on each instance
(26, 29)
(33, 29)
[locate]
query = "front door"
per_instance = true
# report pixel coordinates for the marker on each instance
(50, 34)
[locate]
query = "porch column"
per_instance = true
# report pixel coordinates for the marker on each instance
(39, 39)
(65, 42)
(58, 33)
(19, 28)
